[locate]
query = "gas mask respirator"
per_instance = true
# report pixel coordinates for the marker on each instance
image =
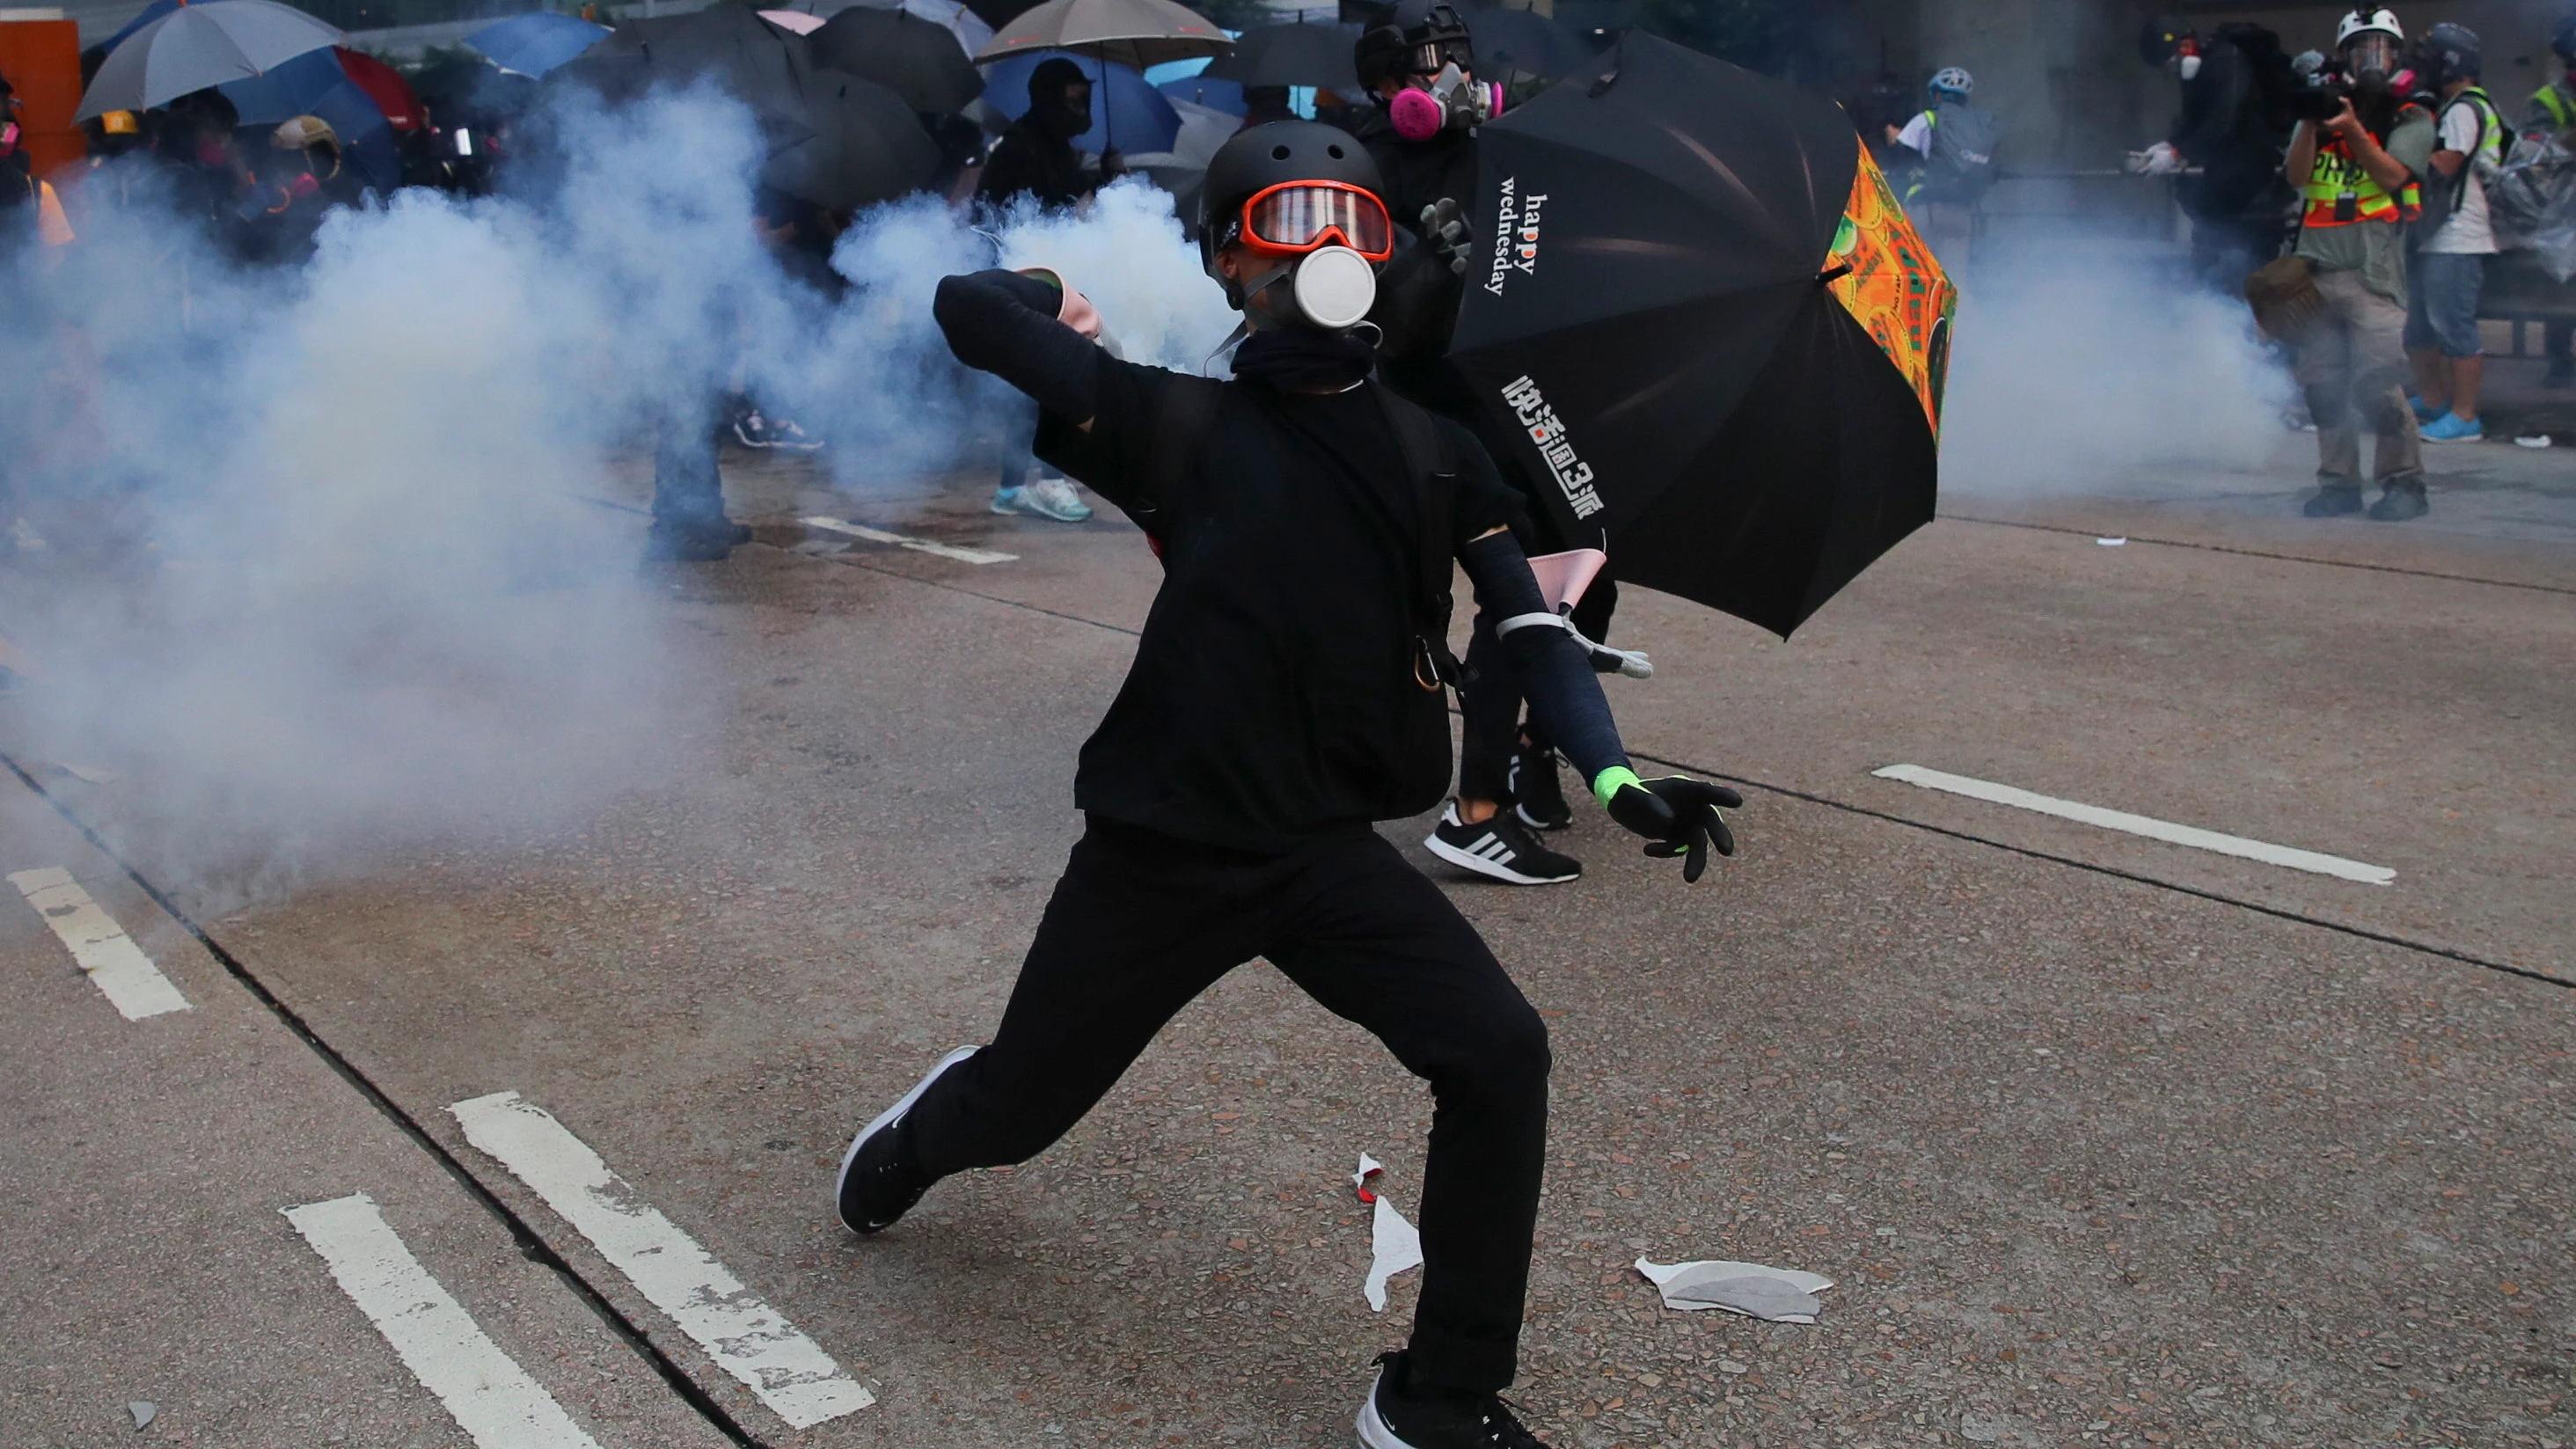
(1322, 243)
(1453, 103)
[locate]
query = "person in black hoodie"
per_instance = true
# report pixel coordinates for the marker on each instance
(1035, 158)
(1286, 693)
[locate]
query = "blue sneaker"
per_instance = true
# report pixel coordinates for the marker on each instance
(2425, 412)
(2452, 428)
(1051, 498)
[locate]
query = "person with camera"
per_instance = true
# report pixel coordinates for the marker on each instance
(2449, 269)
(2358, 167)
(1286, 693)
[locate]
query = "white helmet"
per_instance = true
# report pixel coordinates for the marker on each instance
(2380, 21)
(1952, 79)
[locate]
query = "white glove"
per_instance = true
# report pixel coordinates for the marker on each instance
(2160, 159)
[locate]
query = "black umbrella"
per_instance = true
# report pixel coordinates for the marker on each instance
(1292, 55)
(867, 146)
(917, 59)
(1650, 314)
(1524, 40)
(832, 138)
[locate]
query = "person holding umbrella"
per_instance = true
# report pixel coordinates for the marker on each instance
(1035, 158)
(1287, 692)
(1421, 132)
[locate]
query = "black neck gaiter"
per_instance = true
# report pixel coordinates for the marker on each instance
(1301, 359)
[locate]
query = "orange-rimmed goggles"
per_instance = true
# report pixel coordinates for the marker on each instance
(1296, 217)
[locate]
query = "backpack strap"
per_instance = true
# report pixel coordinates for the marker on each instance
(1433, 467)
(1181, 419)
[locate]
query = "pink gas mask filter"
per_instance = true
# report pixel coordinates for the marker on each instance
(1452, 103)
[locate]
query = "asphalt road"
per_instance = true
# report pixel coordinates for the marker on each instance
(2104, 1138)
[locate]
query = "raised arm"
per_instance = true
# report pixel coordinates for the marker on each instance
(1005, 323)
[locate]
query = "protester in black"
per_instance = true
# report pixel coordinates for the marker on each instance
(1426, 150)
(1035, 160)
(1285, 694)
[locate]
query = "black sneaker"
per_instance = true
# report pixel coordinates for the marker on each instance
(2334, 500)
(2400, 500)
(693, 542)
(1500, 847)
(1537, 798)
(880, 1179)
(1399, 1415)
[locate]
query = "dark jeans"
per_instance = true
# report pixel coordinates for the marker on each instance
(1141, 924)
(2558, 340)
(688, 492)
(1490, 704)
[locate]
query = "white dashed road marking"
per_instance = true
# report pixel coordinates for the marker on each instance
(745, 1336)
(2165, 830)
(491, 1397)
(922, 545)
(99, 946)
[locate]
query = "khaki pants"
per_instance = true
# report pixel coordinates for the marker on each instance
(2352, 366)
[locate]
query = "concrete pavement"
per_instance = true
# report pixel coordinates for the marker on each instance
(2104, 1139)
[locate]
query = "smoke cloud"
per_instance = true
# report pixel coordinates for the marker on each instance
(323, 578)
(2066, 367)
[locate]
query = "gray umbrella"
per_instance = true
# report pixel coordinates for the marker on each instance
(197, 46)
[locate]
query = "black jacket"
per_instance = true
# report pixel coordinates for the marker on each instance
(1031, 161)
(1273, 697)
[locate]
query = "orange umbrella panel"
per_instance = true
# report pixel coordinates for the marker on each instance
(1894, 288)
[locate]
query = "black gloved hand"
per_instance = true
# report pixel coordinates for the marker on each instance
(1677, 814)
(1444, 226)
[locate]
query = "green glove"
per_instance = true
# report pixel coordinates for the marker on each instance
(1677, 814)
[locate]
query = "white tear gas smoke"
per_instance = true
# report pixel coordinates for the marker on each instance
(325, 575)
(2068, 368)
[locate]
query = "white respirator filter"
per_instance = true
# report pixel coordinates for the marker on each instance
(1334, 287)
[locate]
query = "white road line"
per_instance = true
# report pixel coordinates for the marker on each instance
(491, 1397)
(745, 1336)
(2166, 830)
(923, 545)
(99, 946)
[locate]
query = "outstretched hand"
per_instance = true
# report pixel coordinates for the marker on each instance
(1444, 226)
(1677, 814)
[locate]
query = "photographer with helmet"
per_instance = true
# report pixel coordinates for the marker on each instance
(1286, 693)
(2359, 162)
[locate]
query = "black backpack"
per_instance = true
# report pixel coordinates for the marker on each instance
(1961, 168)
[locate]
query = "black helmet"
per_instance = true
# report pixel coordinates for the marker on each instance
(2562, 37)
(2451, 52)
(1418, 37)
(1270, 155)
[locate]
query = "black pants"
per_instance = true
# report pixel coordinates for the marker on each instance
(1490, 729)
(1141, 924)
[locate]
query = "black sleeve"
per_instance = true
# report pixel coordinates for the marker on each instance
(1417, 302)
(1484, 502)
(1007, 172)
(1005, 324)
(1554, 672)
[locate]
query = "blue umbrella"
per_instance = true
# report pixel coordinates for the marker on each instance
(1138, 117)
(1208, 91)
(151, 12)
(537, 41)
(313, 84)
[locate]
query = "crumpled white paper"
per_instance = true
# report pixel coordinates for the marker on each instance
(1774, 1295)
(1394, 1245)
